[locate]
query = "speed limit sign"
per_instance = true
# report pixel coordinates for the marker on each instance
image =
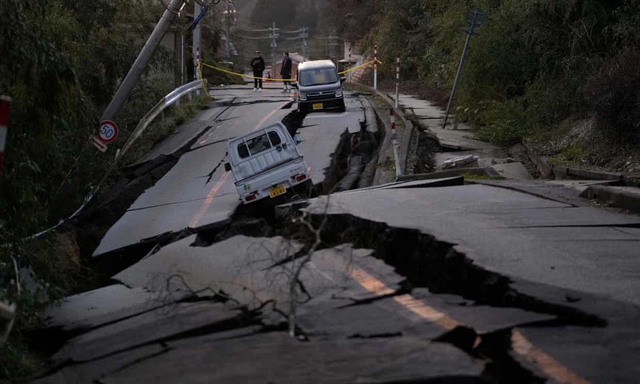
(108, 131)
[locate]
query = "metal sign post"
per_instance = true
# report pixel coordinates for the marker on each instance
(5, 108)
(398, 81)
(375, 68)
(475, 18)
(349, 75)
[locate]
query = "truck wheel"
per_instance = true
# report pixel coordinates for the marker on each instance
(310, 189)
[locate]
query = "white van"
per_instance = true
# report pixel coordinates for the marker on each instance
(267, 164)
(319, 87)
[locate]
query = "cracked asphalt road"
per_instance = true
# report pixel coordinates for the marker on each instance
(439, 282)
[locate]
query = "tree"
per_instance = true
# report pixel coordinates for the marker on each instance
(282, 12)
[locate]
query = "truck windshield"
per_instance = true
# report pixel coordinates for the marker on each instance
(319, 76)
(258, 144)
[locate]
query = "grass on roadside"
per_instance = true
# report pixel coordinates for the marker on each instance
(468, 176)
(164, 125)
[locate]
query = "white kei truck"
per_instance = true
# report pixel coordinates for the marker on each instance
(266, 164)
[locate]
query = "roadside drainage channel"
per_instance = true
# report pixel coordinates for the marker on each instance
(354, 153)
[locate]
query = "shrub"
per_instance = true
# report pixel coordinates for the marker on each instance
(614, 91)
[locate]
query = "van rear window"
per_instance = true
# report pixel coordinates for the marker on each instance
(258, 144)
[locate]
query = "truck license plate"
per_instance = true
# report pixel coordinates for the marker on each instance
(318, 106)
(277, 191)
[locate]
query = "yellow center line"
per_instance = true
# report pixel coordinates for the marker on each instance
(210, 197)
(214, 190)
(550, 366)
(520, 345)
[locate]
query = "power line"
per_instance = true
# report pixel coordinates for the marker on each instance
(253, 37)
(248, 29)
(252, 29)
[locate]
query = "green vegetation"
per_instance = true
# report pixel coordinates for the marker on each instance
(468, 176)
(535, 64)
(61, 62)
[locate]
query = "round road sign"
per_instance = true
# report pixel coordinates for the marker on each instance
(108, 131)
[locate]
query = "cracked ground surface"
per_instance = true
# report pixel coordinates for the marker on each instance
(438, 282)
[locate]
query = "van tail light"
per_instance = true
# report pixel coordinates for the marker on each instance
(299, 178)
(252, 196)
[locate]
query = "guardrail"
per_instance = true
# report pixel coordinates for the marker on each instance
(172, 98)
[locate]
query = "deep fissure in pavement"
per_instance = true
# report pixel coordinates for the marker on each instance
(430, 263)
(425, 262)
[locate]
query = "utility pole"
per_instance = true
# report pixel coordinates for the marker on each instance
(475, 18)
(182, 62)
(197, 39)
(331, 44)
(304, 37)
(273, 35)
(228, 54)
(350, 73)
(142, 60)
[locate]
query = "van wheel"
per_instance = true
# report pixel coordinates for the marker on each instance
(343, 107)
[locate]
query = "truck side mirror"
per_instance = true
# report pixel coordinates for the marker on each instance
(294, 85)
(227, 167)
(343, 79)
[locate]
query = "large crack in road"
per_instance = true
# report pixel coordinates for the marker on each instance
(429, 266)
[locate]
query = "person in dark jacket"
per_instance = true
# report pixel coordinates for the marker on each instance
(257, 64)
(285, 71)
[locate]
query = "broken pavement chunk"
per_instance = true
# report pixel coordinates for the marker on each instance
(458, 161)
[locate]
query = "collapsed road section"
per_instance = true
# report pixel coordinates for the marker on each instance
(423, 281)
(369, 289)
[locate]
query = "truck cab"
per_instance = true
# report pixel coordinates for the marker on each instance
(266, 164)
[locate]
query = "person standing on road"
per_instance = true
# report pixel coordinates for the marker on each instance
(257, 64)
(285, 71)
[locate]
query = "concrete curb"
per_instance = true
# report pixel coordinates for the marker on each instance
(545, 169)
(551, 171)
(408, 132)
(619, 197)
(585, 174)
(444, 174)
(384, 146)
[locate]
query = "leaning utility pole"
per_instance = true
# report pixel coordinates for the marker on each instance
(143, 59)
(475, 18)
